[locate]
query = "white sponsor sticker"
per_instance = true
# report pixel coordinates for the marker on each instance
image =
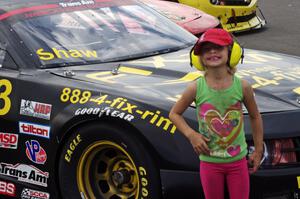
(34, 194)
(108, 111)
(35, 109)
(34, 129)
(25, 173)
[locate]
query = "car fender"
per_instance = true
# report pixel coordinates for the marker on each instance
(153, 127)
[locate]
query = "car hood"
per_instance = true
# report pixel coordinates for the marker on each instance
(190, 18)
(274, 77)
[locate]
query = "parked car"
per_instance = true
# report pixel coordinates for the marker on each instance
(85, 92)
(234, 15)
(191, 19)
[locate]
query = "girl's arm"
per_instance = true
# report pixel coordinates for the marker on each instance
(197, 140)
(256, 124)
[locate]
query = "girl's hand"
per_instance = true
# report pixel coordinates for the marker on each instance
(254, 159)
(199, 143)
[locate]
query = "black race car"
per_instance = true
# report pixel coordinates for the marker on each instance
(85, 91)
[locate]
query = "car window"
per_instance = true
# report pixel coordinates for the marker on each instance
(9, 63)
(6, 60)
(70, 34)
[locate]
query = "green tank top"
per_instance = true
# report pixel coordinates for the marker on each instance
(220, 118)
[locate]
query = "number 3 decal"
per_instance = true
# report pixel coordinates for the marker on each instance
(4, 96)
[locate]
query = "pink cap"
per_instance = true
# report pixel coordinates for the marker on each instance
(215, 35)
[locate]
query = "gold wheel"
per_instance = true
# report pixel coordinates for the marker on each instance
(105, 170)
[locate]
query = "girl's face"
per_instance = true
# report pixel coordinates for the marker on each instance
(213, 55)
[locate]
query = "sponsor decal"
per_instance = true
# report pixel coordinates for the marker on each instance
(144, 179)
(34, 194)
(34, 129)
(107, 111)
(4, 96)
(8, 189)
(25, 173)
(35, 152)
(8, 140)
(120, 107)
(76, 3)
(72, 147)
(35, 109)
(65, 54)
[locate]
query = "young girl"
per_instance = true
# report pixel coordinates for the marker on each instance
(220, 142)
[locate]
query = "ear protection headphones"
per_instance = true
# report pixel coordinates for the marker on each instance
(236, 53)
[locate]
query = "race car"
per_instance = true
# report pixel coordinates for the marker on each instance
(191, 19)
(234, 15)
(85, 92)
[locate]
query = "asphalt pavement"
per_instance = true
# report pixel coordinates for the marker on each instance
(282, 31)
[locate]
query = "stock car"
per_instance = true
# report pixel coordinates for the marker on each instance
(234, 15)
(85, 92)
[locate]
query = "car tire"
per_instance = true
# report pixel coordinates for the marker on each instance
(104, 162)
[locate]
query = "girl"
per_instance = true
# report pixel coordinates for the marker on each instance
(220, 142)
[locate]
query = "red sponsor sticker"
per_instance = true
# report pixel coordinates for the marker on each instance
(8, 140)
(8, 189)
(34, 129)
(35, 152)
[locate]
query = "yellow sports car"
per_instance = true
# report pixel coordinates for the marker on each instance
(234, 15)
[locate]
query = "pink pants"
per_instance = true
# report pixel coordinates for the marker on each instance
(235, 174)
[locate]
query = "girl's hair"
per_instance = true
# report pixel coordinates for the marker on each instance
(231, 70)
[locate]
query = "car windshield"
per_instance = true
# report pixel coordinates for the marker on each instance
(71, 33)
